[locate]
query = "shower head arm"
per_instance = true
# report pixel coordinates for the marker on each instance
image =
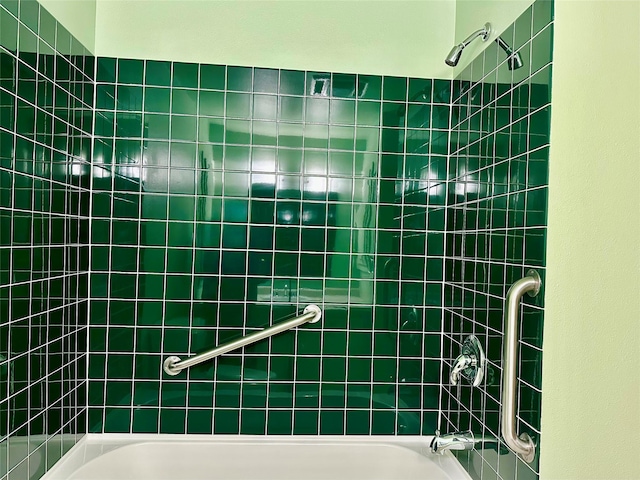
(507, 49)
(454, 55)
(483, 32)
(514, 59)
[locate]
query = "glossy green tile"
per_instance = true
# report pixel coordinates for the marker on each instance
(238, 105)
(226, 421)
(185, 75)
(237, 132)
(393, 115)
(292, 82)
(308, 369)
(265, 107)
(127, 125)
(130, 71)
(316, 136)
(145, 420)
(30, 14)
(235, 211)
(118, 393)
(9, 31)
(157, 100)
(317, 110)
(342, 111)
(318, 84)
(522, 29)
(211, 103)
(105, 97)
(395, 88)
(156, 127)
(172, 421)
(183, 128)
(334, 343)
(234, 236)
(27, 47)
(211, 130)
(331, 423)
(357, 422)
(542, 15)
(11, 5)
(117, 420)
(232, 289)
(157, 73)
(212, 77)
(305, 422)
(291, 109)
(541, 49)
(420, 90)
(199, 421)
(239, 79)
(441, 91)
(334, 370)
(418, 116)
(359, 370)
(173, 394)
(7, 114)
(279, 423)
(279, 176)
(368, 113)
(264, 133)
(184, 101)
(370, 87)
(63, 40)
(129, 98)
(266, 80)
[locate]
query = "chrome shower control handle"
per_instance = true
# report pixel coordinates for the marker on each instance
(471, 363)
(462, 363)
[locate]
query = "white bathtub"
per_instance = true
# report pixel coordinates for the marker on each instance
(208, 457)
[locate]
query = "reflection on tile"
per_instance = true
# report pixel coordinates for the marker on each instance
(257, 191)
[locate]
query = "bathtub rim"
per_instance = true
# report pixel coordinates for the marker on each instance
(93, 445)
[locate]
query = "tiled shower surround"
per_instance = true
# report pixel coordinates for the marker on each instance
(228, 198)
(46, 111)
(496, 231)
(211, 201)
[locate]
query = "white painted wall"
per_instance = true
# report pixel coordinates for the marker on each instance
(391, 37)
(591, 367)
(395, 37)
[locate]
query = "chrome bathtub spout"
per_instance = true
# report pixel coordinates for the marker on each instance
(452, 441)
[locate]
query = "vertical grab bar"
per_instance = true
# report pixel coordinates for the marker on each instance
(522, 445)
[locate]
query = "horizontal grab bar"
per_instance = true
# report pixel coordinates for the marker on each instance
(522, 445)
(174, 365)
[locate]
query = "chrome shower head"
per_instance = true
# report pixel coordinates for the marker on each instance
(514, 60)
(454, 55)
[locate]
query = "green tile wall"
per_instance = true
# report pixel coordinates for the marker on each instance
(228, 198)
(496, 230)
(46, 101)
(222, 199)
